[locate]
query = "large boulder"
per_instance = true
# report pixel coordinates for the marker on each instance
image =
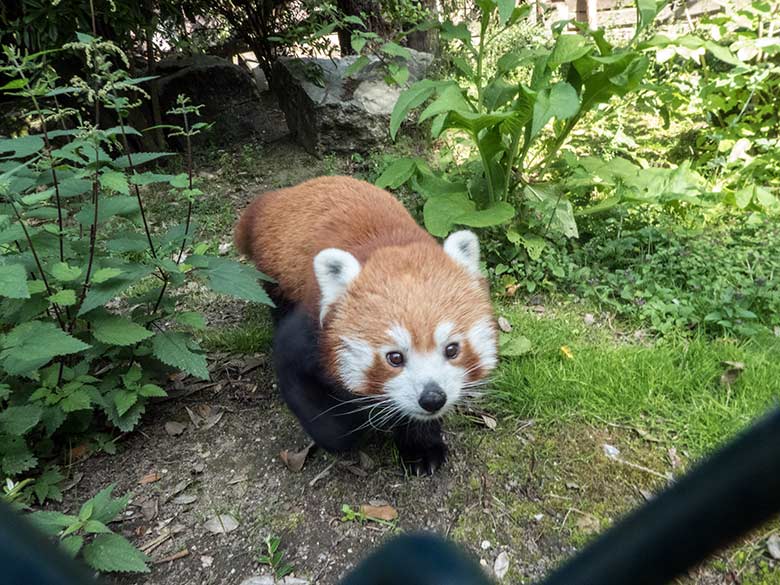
(228, 93)
(327, 111)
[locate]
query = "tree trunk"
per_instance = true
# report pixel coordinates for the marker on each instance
(426, 41)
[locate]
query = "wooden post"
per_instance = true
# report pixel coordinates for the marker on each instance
(587, 11)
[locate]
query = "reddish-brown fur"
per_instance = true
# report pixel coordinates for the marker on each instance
(406, 277)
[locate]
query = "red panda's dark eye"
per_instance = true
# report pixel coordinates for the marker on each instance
(451, 351)
(395, 358)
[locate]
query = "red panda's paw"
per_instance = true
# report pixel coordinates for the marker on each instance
(421, 447)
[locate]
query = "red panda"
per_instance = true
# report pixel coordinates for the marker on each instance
(398, 319)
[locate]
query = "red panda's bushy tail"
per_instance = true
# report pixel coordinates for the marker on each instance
(244, 232)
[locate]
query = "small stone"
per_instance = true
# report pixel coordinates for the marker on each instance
(589, 319)
(773, 546)
(206, 561)
(538, 517)
(485, 544)
(259, 580)
(501, 566)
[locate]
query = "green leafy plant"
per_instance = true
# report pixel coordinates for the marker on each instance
(515, 120)
(349, 514)
(87, 535)
(89, 316)
(732, 65)
(274, 558)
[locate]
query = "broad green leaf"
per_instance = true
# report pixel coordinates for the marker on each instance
(107, 508)
(647, 11)
(498, 93)
(116, 330)
(396, 50)
(117, 131)
(123, 400)
(108, 207)
(359, 63)
(46, 486)
(408, 100)
(139, 158)
(105, 274)
(451, 32)
(115, 181)
(505, 10)
(191, 319)
(152, 391)
(440, 213)
(31, 345)
(172, 348)
(100, 294)
(14, 84)
(148, 178)
(38, 197)
(358, 43)
(78, 400)
(64, 272)
(20, 147)
(560, 101)
(109, 553)
(568, 48)
(72, 545)
(13, 281)
(66, 298)
(449, 99)
(513, 345)
(534, 245)
(17, 420)
(96, 527)
(398, 173)
(744, 196)
(500, 212)
(15, 456)
(51, 522)
(72, 187)
(231, 278)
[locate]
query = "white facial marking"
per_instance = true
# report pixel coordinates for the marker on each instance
(443, 333)
(422, 369)
(482, 337)
(334, 270)
(354, 357)
(463, 247)
(401, 337)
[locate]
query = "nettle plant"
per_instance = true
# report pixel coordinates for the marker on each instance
(89, 318)
(516, 120)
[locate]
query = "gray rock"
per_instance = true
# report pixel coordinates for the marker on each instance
(259, 580)
(228, 93)
(328, 112)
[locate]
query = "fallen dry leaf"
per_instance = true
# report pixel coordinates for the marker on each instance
(224, 248)
(611, 451)
(733, 371)
(150, 477)
(295, 461)
(79, 451)
(588, 524)
(149, 509)
(566, 351)
(213, 420)
(77, 477)
(353, 469)
(572, 486)
(221, 524)
(196, 420)
(184, 499)
(501, 566)
(387, 513)
(773, 546)
(174, 557)
(511, 289)
(199, 467)
(674, 459)
(504, 325)
(365, 461)
(174, 428)
(647, 436)
(490, 422)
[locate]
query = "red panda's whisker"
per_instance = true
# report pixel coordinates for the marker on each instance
(343, 402)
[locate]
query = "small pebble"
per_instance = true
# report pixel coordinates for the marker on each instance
(485, 544)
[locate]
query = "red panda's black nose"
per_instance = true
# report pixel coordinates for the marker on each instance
(432, 397)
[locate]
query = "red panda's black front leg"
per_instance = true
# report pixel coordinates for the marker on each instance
(421, 446)
(321, 406)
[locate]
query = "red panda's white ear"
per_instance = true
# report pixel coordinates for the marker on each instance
(463, 247)
(334, 270)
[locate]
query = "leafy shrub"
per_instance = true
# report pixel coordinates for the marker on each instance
(719, 280)
(87, 535)
(88, 317)
(516, 120)
(737, 94)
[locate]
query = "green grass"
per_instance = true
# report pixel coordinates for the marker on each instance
(670, 388)
(253, 335)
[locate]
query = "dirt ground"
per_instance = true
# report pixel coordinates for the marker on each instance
(536, 493)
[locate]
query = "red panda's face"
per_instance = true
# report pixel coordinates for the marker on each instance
(414, 326)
